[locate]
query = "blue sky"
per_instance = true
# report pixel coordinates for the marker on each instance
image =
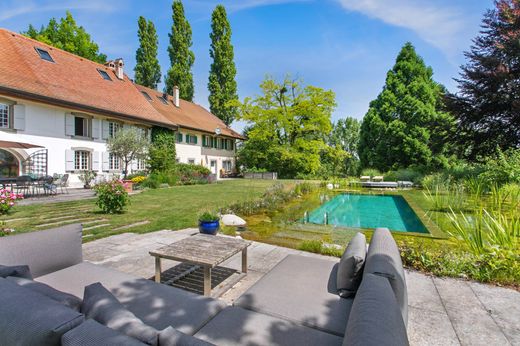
(343, 45)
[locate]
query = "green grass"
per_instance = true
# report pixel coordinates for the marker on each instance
(171, 208)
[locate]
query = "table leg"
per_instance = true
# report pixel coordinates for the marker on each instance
(158, 269)
(207, 281)
(244, 260)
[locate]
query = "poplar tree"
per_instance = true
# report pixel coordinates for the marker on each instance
(181, 57)
(147, 69)
(406, 125)
(222, 85)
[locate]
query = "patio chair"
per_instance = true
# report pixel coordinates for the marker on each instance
(49, 187)
(24, 185)
(62, 183)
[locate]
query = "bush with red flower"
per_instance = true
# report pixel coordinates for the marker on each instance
(8, 200)
(112, 196)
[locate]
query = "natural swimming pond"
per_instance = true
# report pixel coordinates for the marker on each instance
(368, 211)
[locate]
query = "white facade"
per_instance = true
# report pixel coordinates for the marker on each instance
(59, 131)
(217, 159)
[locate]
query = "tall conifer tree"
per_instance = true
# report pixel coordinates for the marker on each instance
(487, 106)
(181, 57)
(147, 69)
(405, 125)
(222, 85)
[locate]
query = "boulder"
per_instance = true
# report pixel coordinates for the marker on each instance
(233, 220)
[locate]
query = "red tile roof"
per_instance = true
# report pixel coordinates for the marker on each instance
(188, 115)
(75, 82)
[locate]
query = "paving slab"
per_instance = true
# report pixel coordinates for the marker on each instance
(422, 293)
(472, 322)
(429, 328)
(503, 304)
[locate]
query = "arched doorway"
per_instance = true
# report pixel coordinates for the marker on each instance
(9, 164)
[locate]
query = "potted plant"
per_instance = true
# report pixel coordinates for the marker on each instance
(209, 223)
(87, 177)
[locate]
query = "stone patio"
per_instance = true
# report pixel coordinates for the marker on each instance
(441, 311)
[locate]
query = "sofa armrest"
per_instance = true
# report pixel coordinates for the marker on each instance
(43, 251)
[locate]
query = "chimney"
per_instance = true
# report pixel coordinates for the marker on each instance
(176, 100)
(118, 69)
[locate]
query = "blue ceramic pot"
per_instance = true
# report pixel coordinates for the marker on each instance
(209, 227)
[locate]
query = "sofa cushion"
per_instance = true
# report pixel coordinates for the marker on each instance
(375, 318)
(30, 318)
(44, 251)
(383, 258)
(100, 305)
(350, 268)
(64, 298)
(92, 333)
(21, 271)
(237, 326)
(172, 337)
(301, 289)
(157, 305)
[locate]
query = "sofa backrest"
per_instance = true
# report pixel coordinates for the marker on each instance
(43, 251)
(375, 318)
(383, 258)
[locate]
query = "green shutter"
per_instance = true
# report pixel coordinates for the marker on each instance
(231, 144)
(179, 137)
(195, 139)
(204, 140)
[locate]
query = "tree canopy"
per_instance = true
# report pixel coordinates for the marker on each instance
(67, 35)
(147, 69)
(487, 106)
(181, 56)
(128, 144)
(406, 124)
(222, 85)
(287, 127)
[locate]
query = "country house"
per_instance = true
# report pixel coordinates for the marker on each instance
(57, 111)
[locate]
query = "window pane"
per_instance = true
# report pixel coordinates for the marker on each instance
(78, 126)
(44, 54)
(4, 115)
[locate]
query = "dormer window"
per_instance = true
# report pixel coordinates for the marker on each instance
(163, 99)
(146, 96)
(105, 75)
(44, 54)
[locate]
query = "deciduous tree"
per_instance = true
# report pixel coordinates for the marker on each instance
(67, 35)
(147, 69)
(287, 127)
(181, 57)
(128, 145)
(222, 85)
(487, 106)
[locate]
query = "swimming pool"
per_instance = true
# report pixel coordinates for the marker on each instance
(369, 211)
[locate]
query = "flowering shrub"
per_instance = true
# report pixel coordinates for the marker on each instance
(138, 180)
(8, 200)
(111, 196)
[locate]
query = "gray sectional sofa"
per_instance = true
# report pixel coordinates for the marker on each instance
(296, 303)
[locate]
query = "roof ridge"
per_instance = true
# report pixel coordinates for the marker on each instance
(21, 36)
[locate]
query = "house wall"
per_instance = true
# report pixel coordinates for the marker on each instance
(202, 155)
(45, 125)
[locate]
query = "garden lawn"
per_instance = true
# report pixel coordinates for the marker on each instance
(170, 208)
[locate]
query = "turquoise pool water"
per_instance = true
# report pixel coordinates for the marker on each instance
(369, 211)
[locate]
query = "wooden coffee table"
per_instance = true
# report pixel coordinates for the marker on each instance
(205, 250)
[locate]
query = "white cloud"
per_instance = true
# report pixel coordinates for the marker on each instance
(235, 5)
(439, 24)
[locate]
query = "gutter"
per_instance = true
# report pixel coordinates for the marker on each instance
(77, 106)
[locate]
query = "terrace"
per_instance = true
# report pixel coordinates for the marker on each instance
(441, 311)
